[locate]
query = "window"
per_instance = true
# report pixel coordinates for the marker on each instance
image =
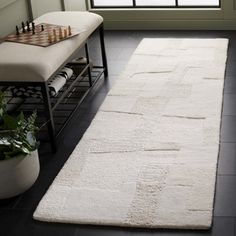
(153, 3)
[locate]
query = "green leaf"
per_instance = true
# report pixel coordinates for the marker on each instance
(20, 117)
(17, 134)
(10, 122)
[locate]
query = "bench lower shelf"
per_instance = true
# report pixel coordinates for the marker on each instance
(63, 106)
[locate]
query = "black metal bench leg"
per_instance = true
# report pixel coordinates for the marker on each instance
(103, 50)
(88, 63)
(49, 116)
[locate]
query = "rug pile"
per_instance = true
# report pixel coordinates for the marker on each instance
(149, 157)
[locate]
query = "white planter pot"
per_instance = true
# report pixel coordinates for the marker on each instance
(18, 174)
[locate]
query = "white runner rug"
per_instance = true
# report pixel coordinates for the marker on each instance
(149, 157)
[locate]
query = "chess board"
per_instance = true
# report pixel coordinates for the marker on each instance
(40, 38)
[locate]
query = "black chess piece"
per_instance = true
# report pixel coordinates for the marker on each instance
(23, 27)
(33, 25)
(28, 26)
(42, 27)
(17, 31)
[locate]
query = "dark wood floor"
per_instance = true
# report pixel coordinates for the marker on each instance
(16, 214)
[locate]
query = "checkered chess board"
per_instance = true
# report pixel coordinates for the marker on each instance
(41, 38)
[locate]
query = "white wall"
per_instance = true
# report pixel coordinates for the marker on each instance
(13, 12)
(43, 6)
(224, 18)
(12, 15)
(75, 5)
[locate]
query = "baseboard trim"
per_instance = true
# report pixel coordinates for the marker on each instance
(171, 25)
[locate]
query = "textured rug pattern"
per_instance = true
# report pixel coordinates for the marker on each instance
(149, 157)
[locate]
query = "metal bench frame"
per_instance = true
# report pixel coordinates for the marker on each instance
(45, 90)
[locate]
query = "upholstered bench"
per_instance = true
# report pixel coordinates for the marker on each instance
(27, 64)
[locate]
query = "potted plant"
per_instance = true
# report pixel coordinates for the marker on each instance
(19, 162)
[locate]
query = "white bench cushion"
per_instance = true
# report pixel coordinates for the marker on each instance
(20, 62)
